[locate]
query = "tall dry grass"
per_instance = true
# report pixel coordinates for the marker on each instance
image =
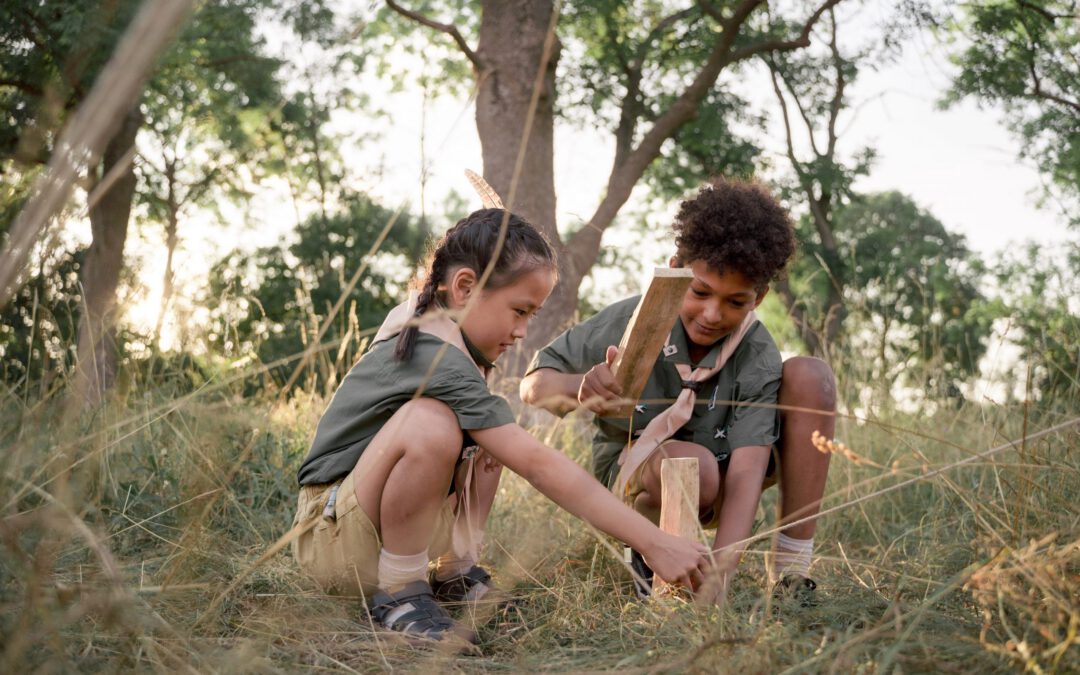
(129, 542)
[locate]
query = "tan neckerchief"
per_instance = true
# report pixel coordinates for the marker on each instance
(437, 322)
(664, 425)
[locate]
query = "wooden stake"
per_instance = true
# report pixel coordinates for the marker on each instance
(644, 336)
(679, 494)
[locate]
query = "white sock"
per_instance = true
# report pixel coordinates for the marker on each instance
(790, 556)
(396, 571)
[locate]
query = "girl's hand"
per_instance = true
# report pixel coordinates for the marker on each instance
(598, 386)
(678, 561)
(717, 578)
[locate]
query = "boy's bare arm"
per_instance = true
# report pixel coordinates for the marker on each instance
(560, 393)
(551, 390)
(741, 494)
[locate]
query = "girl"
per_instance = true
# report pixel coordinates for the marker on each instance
(401, 432)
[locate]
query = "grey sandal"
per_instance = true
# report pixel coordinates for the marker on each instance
(413, 612)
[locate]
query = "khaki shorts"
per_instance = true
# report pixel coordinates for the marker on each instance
(342, 555)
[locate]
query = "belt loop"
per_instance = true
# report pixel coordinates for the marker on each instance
(329, 513)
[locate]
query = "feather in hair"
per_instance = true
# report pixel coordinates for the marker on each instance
(488, 197)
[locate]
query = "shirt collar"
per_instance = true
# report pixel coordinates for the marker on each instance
(476, 354)
(681, 353)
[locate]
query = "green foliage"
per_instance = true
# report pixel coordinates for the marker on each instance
(622, 60)
(39, 328)
(1040, 291)
(1025, 56)
(270, 303)
(913, 291)
(202, 108)
(50, 54)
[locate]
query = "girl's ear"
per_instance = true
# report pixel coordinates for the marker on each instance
(461, 286)
(674, 261)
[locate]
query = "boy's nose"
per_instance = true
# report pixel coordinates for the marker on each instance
(712, 313)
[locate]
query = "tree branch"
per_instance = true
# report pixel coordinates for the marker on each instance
(838, 93)
(449, 29)
(1038, 92)
(24, 87)
(785, 45)
(584, 245)
(1043, 12)
(800, 107)
(631, 107)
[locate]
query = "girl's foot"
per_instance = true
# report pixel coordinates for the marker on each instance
(472, 586)
(413, 612)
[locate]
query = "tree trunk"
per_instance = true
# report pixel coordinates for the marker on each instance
(511, 47)
(96, 367)
(171, 240)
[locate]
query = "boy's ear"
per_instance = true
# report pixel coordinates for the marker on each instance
(760, 296)
(462, 285)
(674, 261)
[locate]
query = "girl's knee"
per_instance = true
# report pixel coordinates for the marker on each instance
(810, 381)
(430, 426)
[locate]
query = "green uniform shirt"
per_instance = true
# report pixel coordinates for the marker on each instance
(751, 376)
(378, 385)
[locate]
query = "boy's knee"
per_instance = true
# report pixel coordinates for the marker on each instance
(809, 380)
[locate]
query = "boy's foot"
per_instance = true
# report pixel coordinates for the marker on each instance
(796, 589)
(472, 586)
(643, 575)
(413, 612)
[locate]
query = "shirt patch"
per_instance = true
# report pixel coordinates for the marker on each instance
(670, 349)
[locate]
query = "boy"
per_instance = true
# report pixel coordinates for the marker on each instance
(752, 414)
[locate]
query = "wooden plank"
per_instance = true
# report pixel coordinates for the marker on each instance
(679, 495)
(644, 336)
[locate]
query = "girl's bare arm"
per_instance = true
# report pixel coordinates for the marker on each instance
(676, 560)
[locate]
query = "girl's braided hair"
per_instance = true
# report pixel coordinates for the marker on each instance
(471, 243)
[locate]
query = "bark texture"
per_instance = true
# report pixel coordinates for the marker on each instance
(96, 366)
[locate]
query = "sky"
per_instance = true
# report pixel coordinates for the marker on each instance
(961, 164)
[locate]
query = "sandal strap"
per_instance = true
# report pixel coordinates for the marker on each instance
(412, 610)
(470, 586)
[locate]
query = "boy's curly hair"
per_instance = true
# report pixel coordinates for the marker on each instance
(734, 224)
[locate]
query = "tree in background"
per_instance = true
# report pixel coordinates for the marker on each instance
(1040, 295)
(270, 304)
(915, 313)
(50, 57)
(811, 90)
(203, 108)
(1024, 55)
(650, 71)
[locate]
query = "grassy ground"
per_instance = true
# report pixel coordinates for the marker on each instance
(142, 539)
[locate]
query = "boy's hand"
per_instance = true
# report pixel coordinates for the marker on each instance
(598, 386)
(678, 561)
